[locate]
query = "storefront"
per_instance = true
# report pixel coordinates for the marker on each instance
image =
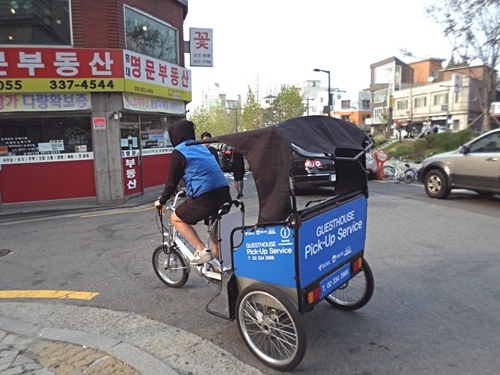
(99, 135)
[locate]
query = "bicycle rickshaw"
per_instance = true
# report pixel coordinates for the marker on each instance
(290, 260)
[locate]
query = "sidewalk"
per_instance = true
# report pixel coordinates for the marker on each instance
(40, 339)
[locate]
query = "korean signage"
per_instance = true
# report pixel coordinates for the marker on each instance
(144, 103)
(201, 47)
(24, 159)
(132, 175)
(60, 70)
(44, 102)
(55, 70)
(99, 123)
(267, 255)
(329, 239)
(155, 77)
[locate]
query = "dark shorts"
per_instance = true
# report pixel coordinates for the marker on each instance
(193, 210)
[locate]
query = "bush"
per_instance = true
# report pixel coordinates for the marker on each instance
(432, 143)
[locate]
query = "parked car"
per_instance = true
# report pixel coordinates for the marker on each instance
(310, 170)
(474, 166)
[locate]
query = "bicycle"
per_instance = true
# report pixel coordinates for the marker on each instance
(172, 259)
(397, 174)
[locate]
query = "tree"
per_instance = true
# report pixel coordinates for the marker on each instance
(473, 29)
(288, 104)
(252, 117)
(218, 121)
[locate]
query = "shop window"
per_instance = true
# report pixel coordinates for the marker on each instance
(149, 36)
(154, 132)
(35, 22)
(44, 136)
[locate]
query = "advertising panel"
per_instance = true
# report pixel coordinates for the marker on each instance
(267, 255)
(329, 239)
(144, 103)
(44, 102)
(149, 76)
(201, 47)
(60, 70)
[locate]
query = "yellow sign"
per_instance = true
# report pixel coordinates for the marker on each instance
(391, 100)
(8, 86)
(139, 87)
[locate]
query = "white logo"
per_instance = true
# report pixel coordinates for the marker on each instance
(334, 259)
(285, 232)
(271, 231)
(347, 251)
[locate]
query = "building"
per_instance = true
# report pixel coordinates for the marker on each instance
(89, 91)
(355, 108)
(454, 100)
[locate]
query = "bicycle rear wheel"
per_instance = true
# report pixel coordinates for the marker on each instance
(387, 173)
(170, 267)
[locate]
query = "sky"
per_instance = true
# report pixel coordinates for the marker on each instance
(267, 43)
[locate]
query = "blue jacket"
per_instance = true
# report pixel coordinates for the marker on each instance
(202, 172)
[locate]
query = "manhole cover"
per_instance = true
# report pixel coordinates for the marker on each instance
(4, 252)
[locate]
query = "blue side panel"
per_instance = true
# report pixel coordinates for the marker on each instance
(267, 255)
(329, 239)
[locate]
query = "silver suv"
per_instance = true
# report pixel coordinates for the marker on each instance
(474, 166)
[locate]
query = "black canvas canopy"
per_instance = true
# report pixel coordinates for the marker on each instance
(268, 151)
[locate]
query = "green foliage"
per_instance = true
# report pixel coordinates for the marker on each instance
(253, 114)
(432, 143)
(218, 121)
(288, 104)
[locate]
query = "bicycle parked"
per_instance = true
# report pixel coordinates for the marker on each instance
(396, 173)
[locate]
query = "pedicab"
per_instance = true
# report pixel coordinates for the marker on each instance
(292, 258)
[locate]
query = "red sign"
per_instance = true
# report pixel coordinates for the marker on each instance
(63, 63)
(132, 175)
(99, 123)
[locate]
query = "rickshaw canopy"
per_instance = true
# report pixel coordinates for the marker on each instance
(268, 151)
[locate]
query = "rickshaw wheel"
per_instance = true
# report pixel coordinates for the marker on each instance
(356, 292)
(270, 326)
(170, 267)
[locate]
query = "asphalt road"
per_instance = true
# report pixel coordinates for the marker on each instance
(436, 266)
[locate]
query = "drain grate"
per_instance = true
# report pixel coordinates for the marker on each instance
(4, 252)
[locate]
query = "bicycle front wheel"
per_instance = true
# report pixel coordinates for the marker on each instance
(409, 176)
(170, 267)
(387, 173)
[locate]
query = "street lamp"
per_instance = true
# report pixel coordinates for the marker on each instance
(447, 104)
(236, 111)
(329, 95)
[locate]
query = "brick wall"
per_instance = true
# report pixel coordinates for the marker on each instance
(99, 23)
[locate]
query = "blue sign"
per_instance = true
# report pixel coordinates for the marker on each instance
(335, 280)
(267, 255)
(329, 239)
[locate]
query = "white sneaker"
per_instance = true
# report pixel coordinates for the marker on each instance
(201, 257)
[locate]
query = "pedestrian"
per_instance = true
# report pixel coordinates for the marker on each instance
(238, 172)
(206, 185)
(435, 129)
(399, 128)
(212, 149)
(409, 129)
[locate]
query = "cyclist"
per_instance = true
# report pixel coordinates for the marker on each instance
(206, 185)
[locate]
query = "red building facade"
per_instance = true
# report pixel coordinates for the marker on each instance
(88, 90)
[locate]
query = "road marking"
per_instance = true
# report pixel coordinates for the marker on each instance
(115, 213)
(47, 294)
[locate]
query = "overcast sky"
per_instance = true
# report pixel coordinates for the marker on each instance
(276, 42)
